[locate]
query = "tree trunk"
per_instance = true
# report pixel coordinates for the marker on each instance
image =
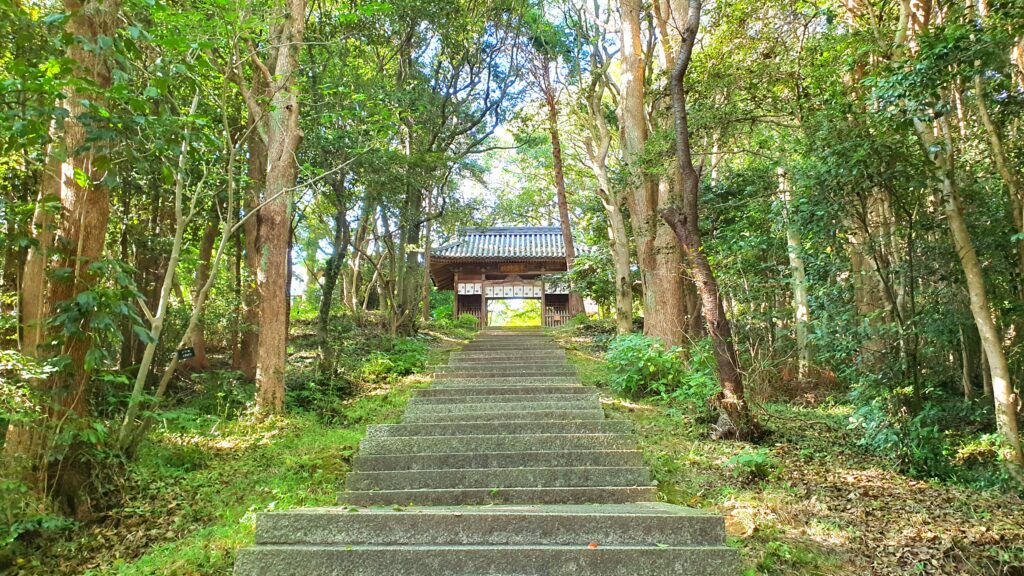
(1013, 184)
(597, 147)
(740, 423)
(798, 280)
(936, 140)
(283, 137)
(575, 302)
(425, 310)
(331, 271)
(85, 212)
(257, 178)
(664, 315)
(200, 362)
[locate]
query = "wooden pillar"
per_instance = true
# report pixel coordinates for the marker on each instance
(543, 304)
(483, 304)
(455, 306)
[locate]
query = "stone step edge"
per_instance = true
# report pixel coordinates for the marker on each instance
(485, 496)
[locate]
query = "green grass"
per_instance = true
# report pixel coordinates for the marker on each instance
(192, 496)
(808, 501)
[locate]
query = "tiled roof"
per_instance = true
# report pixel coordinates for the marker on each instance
(527, 242)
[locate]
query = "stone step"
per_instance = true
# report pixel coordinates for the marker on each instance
(485, 496)
(638, 524)
(506, 373)
(503, 399)
(559, 477)
(503, 391)
(448, 382)
(584, 403)
(509, 346)
(495, 443)
(374, 463)
(509, 355)
(536, 560)
(471, 428)
(499, 363)
(505, 416)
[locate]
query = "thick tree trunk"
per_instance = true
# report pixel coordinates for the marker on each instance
(283, 137)
(85, 212)
(740, 424)
(657, 251)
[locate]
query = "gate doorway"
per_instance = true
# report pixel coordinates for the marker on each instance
(514, 312)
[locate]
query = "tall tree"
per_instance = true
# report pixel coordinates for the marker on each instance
(273, 101)
(657, 251)
(80, 161)
(683, 221)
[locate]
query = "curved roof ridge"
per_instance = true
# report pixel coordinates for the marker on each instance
(504, 243)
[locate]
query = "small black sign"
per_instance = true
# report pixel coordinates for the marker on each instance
(186, 353)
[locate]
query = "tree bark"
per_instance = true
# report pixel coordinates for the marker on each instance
(257, 177)
(597, 146)
(283, 137)
(200, 362)
(558, 171)
(937, 143)
(85, 212)
(798, 279)
(683, 221)
(332, 270)
(1008, 174)
(664, 314)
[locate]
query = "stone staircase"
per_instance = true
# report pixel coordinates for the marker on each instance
(506, 466)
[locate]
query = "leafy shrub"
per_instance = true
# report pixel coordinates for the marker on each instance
(584, 325)
(642, 366)
(753, 465)
(466, 322)
(943, 438)
(406, 356)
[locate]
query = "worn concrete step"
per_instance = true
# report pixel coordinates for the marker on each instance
(504, 399)
(506, 373)
(459, 429)
(637, 524)
(546, 459)
(447, 382)
(537, 560)
(509, 347)
(484, 496)
(495, 443)
(503, 391)
(502, 362)
(559, 477)
(511, 343)
(584, 403)
(506, 416)
(507, 355)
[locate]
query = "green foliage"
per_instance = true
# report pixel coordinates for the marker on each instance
(642, 366)
(753, 464)
(466, 322)
(945, 438)
(403, 357)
